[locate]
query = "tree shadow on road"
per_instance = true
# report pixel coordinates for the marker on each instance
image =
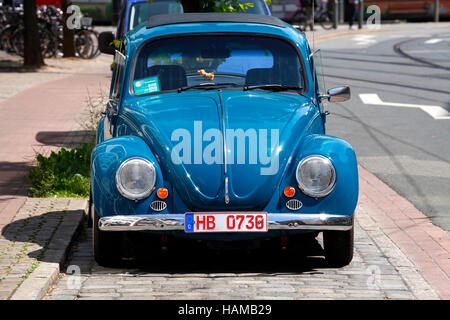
(48, 230)
(59, 138)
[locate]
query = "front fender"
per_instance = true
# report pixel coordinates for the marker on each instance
(344, 197)
(106, 159)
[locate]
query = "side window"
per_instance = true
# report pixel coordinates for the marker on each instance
(119, 69)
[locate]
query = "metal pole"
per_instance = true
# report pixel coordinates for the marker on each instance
(341, 11)
(360, 14)
(336, 14)
(436, 10)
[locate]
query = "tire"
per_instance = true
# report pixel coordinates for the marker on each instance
(90, 210)
(107, 246)
(338, 247)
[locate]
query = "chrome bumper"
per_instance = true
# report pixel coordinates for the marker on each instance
(276, 221)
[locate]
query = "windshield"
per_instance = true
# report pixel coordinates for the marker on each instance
(174, 63)
(141, 12)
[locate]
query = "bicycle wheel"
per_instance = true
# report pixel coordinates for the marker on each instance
(84, 46)
(326, 23)
(49, 45)
(17, 41)
(7, 39)
(94, 37)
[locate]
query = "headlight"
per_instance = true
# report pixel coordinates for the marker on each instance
(316, 176)
(135, 178)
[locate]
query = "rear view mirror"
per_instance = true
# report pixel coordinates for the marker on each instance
(105, 44)
(338, 94)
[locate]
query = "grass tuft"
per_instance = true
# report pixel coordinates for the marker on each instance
(62, 174)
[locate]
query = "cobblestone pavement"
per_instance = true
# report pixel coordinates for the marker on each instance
(379, 271)
(38, 234)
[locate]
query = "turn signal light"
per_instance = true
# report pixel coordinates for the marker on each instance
(162, 193)
(289, 192)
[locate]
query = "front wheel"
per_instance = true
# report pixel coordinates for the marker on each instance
(338, 247)
(107, 245)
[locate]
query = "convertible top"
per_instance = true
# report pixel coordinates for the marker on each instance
(166, 19)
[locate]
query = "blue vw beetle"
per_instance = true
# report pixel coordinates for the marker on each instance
(215, 130)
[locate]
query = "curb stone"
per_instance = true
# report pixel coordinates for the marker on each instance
(36, 285)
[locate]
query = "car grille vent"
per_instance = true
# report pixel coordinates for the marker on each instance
(158, 205)
(294, 204)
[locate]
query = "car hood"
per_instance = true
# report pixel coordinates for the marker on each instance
(185, 131)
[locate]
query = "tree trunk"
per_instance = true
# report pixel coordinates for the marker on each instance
(68, 41)
(32, 56)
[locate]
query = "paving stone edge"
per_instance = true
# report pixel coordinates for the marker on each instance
(36, 285)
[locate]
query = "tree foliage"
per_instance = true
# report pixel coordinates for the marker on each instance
(216, 5)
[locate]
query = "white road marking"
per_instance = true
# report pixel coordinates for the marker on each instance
(365, 39)
(436, 112)
(433, 41)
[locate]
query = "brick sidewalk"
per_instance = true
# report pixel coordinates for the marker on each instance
(425, 244)
(38, 119)
(41, 111)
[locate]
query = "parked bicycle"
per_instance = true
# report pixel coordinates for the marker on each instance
(86, 40)
(323, 14)
(50, 30)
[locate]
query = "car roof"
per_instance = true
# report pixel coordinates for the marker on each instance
(225, 22)
(168, 19)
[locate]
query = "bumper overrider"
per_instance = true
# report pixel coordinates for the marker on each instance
(276, 221)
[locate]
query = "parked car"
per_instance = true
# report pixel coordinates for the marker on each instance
(135, 12)
(215, 130)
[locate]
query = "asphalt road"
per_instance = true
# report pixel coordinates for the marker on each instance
(398, 119)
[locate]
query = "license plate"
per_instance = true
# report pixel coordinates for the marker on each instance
(225, 222)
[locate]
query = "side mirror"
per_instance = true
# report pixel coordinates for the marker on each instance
(104, 42)
(338, 94)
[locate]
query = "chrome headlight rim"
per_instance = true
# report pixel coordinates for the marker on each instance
(122, 190)
(304, 189)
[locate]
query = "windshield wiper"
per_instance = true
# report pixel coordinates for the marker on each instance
(208, 86)
(272, 87)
